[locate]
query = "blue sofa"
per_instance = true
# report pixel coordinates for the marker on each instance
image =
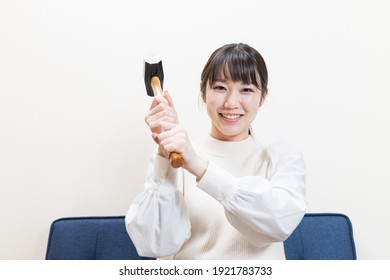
(326, 236)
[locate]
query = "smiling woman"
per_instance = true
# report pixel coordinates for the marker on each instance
(232, 106)
(234, 197)
(234, 83)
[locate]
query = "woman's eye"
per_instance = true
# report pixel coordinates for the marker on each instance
(219, 88)
(247, 90)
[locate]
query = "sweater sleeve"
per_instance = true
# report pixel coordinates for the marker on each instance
(157, 220)
(264, 209)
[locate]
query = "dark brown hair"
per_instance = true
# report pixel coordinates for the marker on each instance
(238, 62)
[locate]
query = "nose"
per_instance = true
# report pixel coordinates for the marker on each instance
(232, 100)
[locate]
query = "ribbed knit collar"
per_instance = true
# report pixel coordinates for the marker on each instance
(228, 148)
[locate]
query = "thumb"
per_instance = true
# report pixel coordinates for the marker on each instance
(168, 97)
(154, 103)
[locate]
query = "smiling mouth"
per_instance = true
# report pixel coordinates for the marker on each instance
(231, 116)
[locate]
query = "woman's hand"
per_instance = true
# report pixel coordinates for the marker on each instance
(163, 121)
(161, 111)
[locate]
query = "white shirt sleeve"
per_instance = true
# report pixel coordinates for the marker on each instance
(264, 210)
(157, 220)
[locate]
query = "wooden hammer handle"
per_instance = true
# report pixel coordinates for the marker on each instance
(156, 86)
(175, 158)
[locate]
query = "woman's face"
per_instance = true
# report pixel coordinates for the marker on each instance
(231, 106)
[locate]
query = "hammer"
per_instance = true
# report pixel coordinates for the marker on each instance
(154, 79)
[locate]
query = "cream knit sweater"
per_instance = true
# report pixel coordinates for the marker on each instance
(249, 200)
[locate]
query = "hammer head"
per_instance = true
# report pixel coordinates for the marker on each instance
(153, 68)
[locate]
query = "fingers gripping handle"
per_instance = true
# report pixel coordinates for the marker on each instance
(175, 158)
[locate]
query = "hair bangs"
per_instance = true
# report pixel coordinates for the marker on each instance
(235, 66)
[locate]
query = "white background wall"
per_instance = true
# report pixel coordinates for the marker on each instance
(72, 101)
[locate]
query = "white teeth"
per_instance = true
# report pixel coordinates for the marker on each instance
(231, 117)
